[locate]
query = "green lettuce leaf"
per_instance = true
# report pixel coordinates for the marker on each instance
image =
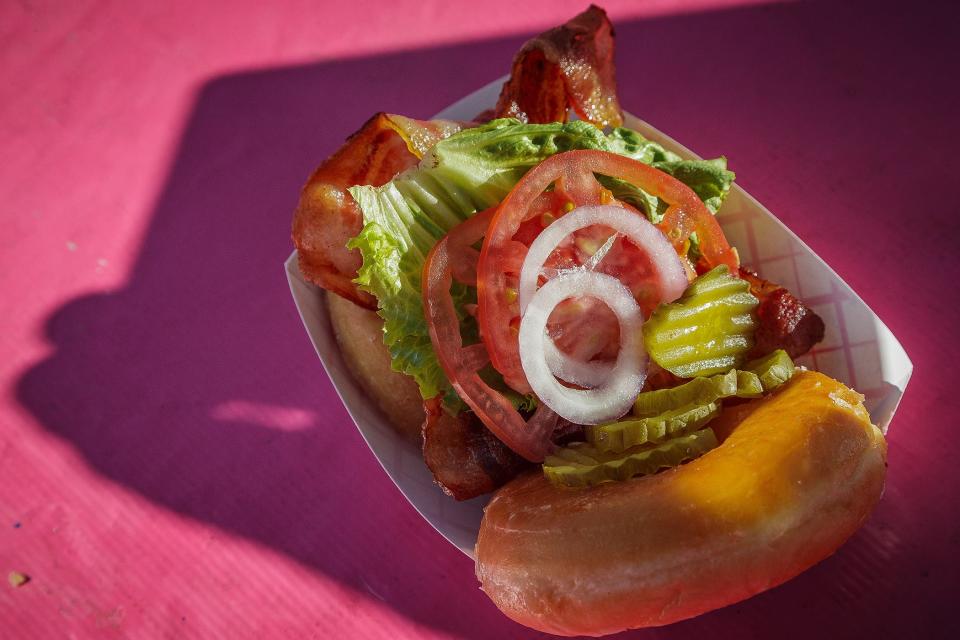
(465, 173)
(628, 142)
(709, 179)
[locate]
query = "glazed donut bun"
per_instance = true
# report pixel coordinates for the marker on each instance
(359, 333)
(798, 473)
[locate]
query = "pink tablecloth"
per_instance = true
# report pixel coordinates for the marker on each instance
(173, 462)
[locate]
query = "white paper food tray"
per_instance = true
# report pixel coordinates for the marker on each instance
(858, 348)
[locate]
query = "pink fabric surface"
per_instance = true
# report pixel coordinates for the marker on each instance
(173, 462)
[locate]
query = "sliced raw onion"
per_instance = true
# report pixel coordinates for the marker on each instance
(614, 397)
(670, 269)
(587, 374)
(637, 229)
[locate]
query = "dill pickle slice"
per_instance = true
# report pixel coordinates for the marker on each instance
(749, 384)
(622, 435)
(581, 465)
(708, 330)
(697, 391)
(773, 369)
(671, 412)
(743, 384)
(668, 413)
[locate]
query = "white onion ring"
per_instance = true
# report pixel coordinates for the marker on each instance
(616, 394)
(587, 374)
(666, 262)
(639, 230)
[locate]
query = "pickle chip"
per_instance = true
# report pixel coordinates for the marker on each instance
(668, 413)
(581, 465)
(622, 435)
(749, 385)
(697, 391)
(708, 330)
(772, 370)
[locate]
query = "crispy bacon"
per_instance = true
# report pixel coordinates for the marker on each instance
(568, 66)
(327, 217)
(465, 458)
(785, 322)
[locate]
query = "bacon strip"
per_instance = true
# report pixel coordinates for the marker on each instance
(785, 322)
(327, 217)
(465, 458)
(567, 66)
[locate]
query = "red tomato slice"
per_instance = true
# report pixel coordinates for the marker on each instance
(531, 439)
(572, 174)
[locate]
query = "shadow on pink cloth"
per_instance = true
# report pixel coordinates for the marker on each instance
(196, 386)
